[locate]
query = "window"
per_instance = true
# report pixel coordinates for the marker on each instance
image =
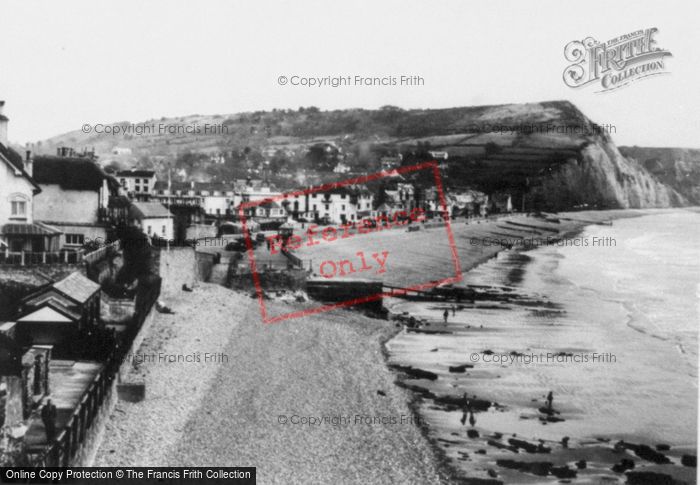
(19, 208)
(328, 206)
(163, 231)
(342, 207)
(75, 239)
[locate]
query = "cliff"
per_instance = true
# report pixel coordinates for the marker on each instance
(546, 156)
(603, 178)
(676, 167)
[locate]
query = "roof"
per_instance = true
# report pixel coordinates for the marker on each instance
(270, 204)
(48, 314)
(71, 173)
(136, 173)
(35, 229)
(14, 160)
(77, 287)
(45, 295)
(146, 210)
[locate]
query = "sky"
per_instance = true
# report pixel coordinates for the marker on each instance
(67, 63)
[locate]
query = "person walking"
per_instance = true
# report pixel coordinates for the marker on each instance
(48, 416)
(445, 315)
(550, 398)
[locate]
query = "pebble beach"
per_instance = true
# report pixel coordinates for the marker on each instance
(254, 408)
(311, 399)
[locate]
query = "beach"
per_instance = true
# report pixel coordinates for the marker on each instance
(610, 330)
(295, 398)
(248, 410)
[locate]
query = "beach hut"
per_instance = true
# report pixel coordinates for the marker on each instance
(58, 314)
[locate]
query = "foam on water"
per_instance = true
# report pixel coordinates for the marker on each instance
(638, 300)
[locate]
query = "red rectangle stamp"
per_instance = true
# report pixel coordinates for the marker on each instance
(348, 237)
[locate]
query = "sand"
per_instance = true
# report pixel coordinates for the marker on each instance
(327, 365)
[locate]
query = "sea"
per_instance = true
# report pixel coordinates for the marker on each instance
(610, 329)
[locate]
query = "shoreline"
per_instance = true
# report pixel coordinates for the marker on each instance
(266, 443)
(601, 451)
(414, 398)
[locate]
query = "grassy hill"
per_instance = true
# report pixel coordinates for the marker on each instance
(546, 155)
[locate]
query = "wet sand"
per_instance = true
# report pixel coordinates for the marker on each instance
(325, 365)
(590, 399)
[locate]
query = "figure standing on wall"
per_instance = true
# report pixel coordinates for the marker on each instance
(48, 416)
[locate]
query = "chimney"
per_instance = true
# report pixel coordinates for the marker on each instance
(3, 124)
(29, 163)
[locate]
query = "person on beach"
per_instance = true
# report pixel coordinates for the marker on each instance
(48, 416)
(550, 398)
(454, 310)
(445, 315)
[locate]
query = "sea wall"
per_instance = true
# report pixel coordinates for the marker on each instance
(177, 266)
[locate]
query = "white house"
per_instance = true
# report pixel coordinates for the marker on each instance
(18, 230)
(137, 181)
(153, 219)
(342, 204)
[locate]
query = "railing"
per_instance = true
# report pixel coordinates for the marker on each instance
(31, 258)
(102, 252)
(28, 258)
(65, 448)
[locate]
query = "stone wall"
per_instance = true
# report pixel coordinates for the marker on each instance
(198, 231)
(94, 435)
(177, 266)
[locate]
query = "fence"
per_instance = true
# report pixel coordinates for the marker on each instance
(102, 252)
(65, 448)
(29, 258)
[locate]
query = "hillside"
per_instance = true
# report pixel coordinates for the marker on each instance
(548, 155)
